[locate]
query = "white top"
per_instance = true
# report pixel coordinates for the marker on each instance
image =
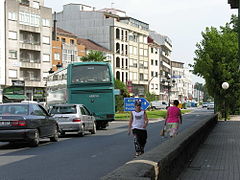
(138, 120)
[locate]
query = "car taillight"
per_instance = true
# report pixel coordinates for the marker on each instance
(19, 123)
(76, 120)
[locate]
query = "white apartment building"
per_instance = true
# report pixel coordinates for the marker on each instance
(165, 63)
(126, 37)
(154, 67)
(26, 48)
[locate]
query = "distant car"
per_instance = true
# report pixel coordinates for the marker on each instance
(159, 104)
(26, 122)
(204, 104)
(73, 118)
(210, 105)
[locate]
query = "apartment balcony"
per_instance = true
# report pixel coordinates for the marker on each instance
(32, 81)
(35, 46)
(29, 28)
(30, 64)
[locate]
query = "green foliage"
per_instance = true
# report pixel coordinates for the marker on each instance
(217, 61)
(150, 97)
(96, 56)
(120, 98)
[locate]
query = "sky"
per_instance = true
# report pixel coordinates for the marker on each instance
(181, 20)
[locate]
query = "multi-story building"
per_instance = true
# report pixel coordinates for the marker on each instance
(26, 47)
(165, 63)
(126, 37)
(65, 49)
(154, 67)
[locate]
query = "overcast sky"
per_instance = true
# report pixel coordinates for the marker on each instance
(181, 20)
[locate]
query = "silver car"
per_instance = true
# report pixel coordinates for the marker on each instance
(73, 118)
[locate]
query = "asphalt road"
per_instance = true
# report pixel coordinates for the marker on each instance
(80, 158)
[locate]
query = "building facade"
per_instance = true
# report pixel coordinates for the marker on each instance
(126, 37)
(65, 49)
(27, 48)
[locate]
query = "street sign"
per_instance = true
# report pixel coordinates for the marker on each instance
(129, 103)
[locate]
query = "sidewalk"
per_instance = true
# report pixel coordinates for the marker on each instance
(218, 157)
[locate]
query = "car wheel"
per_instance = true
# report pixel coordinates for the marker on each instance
(81, 133)
(35, 141)
(54, 138)
(94, 130)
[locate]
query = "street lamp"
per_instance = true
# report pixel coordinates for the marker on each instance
(225, 86)
(169, 86)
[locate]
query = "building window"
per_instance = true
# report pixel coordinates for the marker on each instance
(122, 35)
(126, 63)
(152, 73)
(141, 52)
(12, 35)
(12, 16)
(71, 41)
(118, 48)
(46, 40)
(117, 34)
(12, 73)
(141, 76)
(12, 54)
(118, 62)
(156, 86)
(118, 75)
(63, 40)
(46, 22)
(126, 76)
(122, 49)
(156, 62)
(56, 56)
(46, 58)
(151, 61)
(35, 5)
(29, 19)
(156, 74)
(126, 35)
(152, 86)
(145, 52)
(122, 76)
(126, 49)
(151, 50)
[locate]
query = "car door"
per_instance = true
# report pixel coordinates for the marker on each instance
(84, 118)
(41, 118)
(89, 118)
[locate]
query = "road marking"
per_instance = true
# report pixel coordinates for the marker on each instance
(4, 160)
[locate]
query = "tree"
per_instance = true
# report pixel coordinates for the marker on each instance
(217, 61)
(96, 56)
(124, 93)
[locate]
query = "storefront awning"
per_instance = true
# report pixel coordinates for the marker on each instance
(16, 96)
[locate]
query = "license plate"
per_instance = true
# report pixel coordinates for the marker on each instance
(4, 123)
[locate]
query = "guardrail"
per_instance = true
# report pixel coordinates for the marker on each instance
(166, 161)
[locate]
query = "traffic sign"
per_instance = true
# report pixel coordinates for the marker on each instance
(129, 103)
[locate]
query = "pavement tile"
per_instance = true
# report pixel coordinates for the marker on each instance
(218, 158)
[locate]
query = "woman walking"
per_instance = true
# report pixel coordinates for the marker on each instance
(173, 119)
(137, 125)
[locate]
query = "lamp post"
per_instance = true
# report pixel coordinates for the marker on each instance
(169, 82)
(225, 86)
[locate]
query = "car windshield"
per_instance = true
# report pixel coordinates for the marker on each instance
(14, 109)
(63, 110)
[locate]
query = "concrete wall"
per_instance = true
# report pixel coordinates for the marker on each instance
(166, 161)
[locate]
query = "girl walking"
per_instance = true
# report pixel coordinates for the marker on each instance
(173, 119)
(137, 125)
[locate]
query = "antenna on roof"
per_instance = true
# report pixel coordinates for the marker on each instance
(112, 4)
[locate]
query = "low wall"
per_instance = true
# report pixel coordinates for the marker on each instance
(166, 161)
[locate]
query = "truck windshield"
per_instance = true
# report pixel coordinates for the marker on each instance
(90, 74)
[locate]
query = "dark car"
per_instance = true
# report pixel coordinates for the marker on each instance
(26, 122)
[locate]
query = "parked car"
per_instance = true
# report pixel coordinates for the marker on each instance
(204, 104)
(73, 118)
(26, 122)
(210, 105)
(159, 104)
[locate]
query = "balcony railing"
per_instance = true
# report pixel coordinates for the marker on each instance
(32, 65)
(30, 46)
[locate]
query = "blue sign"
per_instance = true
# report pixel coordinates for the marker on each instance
(129, 103)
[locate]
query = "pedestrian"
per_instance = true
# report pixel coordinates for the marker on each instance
(137, 125)
(173, 119)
